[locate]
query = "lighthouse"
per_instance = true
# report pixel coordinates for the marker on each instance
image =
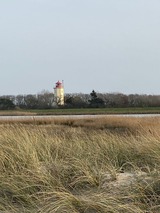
(59, 93)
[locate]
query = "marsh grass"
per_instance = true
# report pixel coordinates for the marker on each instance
(83, 166)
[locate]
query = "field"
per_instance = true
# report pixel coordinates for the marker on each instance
(100, 165)
(84, 111)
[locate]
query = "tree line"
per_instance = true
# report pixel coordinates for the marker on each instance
(45, 100)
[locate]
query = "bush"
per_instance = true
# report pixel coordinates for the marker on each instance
(6, 104)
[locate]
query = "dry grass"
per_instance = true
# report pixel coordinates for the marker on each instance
(16, 113)
(102, 165)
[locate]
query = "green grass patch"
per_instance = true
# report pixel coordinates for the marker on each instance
(84, 111)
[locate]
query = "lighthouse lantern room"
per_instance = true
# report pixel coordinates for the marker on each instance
(59, 93)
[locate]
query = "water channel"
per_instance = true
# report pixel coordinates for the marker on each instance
(30, 117)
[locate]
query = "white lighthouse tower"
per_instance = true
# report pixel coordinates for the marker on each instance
(59, 93)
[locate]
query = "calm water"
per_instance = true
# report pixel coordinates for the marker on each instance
(74, 116)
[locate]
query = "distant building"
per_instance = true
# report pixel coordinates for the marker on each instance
(59, 93)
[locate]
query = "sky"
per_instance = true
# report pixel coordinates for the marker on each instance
(107, 45)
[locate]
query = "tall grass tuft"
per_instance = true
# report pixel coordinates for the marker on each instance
(82, 166)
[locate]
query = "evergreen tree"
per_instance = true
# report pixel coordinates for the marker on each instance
(95, 101)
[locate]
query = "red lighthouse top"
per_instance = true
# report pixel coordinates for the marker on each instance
(59, 85)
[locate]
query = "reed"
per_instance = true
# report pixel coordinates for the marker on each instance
(74, 165)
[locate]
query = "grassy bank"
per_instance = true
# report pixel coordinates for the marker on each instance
(84, 111)
(102, 165)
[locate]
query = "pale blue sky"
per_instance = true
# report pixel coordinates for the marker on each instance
(105, 45)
